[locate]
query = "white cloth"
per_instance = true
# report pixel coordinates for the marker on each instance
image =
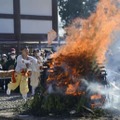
(34, 79)
(35, 66)
(21, 63)
(35, 76)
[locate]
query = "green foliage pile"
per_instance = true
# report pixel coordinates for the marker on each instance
(56, 104)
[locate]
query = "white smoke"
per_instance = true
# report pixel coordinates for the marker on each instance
(112, 65)
(113, 71)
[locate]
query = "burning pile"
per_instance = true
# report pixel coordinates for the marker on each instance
(84, 53)
(68, 73)
(80, 62)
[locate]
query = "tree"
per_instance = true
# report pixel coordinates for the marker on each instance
(70, 9)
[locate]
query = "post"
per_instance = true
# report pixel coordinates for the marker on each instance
(17, 25)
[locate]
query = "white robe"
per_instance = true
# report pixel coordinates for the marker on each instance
(35, 76)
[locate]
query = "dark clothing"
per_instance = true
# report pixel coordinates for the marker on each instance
(0, 67)
(3, 64)
(44, 75)
(11, 64)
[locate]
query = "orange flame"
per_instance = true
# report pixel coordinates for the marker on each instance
(96, 96)
(86, 39)
(99, 98)
(72, 89)
(95, 33)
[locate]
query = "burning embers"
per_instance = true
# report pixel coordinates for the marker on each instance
(72, 89)
(97, 100)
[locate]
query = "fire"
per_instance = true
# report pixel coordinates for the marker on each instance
(72, 89)
(86, 44)
(97, 100)
(95, 33)
(96, 96)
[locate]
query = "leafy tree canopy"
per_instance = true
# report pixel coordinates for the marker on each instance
(70, 9)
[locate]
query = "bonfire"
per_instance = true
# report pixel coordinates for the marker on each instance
(80, 62)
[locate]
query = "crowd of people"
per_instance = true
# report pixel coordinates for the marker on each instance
(25, 67)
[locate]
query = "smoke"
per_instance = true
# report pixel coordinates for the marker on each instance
(113, 70)
(111, 92)
(112, 65)
(112, 56)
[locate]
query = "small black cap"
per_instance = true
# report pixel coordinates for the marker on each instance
(24, 47)
(36, 50)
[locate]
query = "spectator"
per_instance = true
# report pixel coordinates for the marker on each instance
(42, 54)
(3, 61)
(44, 73)
(11, 63)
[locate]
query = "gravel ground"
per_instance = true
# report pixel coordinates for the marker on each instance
(9, 103)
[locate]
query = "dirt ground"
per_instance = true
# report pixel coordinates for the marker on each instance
(9, 103)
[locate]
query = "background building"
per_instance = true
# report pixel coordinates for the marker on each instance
(26, 22)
